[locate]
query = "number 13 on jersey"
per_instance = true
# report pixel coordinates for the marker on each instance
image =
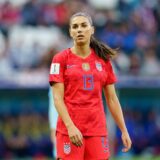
(88, 82)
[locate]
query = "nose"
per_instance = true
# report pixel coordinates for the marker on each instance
(79, 30)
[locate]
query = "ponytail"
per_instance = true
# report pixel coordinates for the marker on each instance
(101, 49)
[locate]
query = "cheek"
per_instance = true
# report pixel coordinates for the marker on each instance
(72, 34)
(88, 33)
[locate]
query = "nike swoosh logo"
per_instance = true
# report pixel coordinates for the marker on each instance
(71, 66)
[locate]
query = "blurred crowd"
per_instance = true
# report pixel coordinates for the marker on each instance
(32, 31)
(144, 128)
(30, 140)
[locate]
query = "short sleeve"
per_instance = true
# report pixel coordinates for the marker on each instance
(57, 69)
(111, 77)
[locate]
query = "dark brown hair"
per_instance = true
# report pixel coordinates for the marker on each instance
(101, 49)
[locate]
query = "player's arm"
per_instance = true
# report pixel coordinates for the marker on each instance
(73, 132)
(52, 115)
(116, 111)
(53, 133)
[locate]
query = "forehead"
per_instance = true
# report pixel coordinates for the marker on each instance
(79, 20)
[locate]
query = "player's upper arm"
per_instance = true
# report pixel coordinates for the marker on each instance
(110, 92)
(58, 91)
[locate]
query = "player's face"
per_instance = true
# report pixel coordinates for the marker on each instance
(81, 30)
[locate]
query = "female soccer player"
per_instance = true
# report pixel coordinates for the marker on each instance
(77, 76)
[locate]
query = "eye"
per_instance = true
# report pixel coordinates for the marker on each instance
(84, 25)
(74, 26)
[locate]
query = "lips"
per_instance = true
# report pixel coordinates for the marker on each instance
(80, 36)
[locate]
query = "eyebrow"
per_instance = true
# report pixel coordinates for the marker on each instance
(80, 23)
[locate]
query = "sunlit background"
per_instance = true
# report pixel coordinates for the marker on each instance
(32, 31)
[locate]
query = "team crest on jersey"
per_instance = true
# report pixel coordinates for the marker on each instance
(67, 148)
(85, 66)
(98, 66)
(105, 145)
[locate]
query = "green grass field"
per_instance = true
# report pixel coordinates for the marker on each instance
(136, 158)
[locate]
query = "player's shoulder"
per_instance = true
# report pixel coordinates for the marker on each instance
(101, 60)
(62, 54)
(107, 61)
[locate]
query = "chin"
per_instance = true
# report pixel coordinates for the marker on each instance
(81, 43)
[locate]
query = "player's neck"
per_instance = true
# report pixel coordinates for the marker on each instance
(82, 51)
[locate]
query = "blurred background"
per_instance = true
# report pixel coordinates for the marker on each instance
(32, 31)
